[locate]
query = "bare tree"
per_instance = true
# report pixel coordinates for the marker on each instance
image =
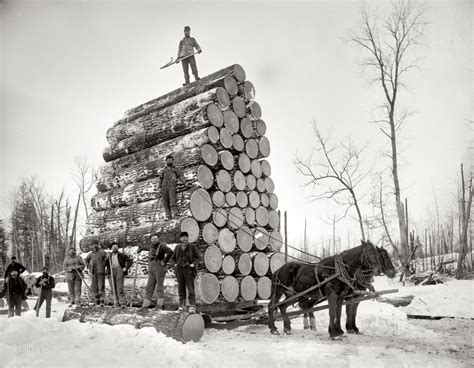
(388, 46)
(466, 203)
(337, 169)
(84, 177)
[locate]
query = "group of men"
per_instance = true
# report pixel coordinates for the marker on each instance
(14, 289)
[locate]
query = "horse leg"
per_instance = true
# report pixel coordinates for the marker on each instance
(305, 321)
(332, 303)
(354, 315)
(286, 320)
(337, 322)
(349, 318)
(271, 310)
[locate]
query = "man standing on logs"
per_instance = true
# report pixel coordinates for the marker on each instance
(186, 257)
(96, 261)
(46, 283)
(186, 48)
(73, 265)
(168, 180)
(116, 267)
(160, 254)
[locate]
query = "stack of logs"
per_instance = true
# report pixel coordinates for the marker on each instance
(226, 201)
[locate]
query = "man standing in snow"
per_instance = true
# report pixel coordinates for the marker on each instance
(73, 265)
(14, 288)
(116, 267)
(186, 47)
(168, 180)
(46, 283)
(96, 261)
(160, 254)
(14, 265)
(186, 257)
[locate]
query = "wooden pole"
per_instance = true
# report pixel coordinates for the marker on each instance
(286, 237)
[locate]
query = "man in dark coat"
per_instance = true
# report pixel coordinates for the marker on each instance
(14, 265)
(186, 47)
(46, 283)
(119, 263)
(186, 257)
(14, 289)
(159, 255)
(95, 262)
(168, 180)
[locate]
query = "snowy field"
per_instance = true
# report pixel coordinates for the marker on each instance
(389, 339)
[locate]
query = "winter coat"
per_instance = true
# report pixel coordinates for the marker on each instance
(169, 177)
(186, 46)
(184, 258)
(50, 283)
(160, 252)
(96, 261)
(14, 267)
(73, 263)
(14, 286)
(124, 261)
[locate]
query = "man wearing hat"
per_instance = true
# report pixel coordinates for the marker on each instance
(159, 255)
(116, 267)
(14, 288)
(14, 265)
(73, 265)
(46, 283)
(186, 47)
(95, 262)
(168, 180)
(186, 257)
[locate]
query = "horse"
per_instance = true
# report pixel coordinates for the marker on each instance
(352, 265)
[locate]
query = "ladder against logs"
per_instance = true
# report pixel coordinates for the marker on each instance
(226, 202)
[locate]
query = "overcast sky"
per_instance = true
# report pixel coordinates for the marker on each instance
(70, 69)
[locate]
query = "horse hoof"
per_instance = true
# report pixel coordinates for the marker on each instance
(337, 336)
(350, 331)
(274, 332)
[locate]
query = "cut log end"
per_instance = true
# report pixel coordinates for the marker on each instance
(230, 288)
(190, 226)
(248, 288)
(201, 204)
(214, 115)
(208, 287)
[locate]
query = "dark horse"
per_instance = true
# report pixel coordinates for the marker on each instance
(355, 267)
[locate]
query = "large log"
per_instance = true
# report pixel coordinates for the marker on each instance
(235, 218)
(209, 155)
(180, 326)
(262, 216)
(277, 260)
(213, 259)
(260, 127)
(244, 238)
(269, 185)
(224, 181)
(276, 240)
(264, 199)
(205, 177)
(244, 265)
(225, 138)
(254, 199)
(226, 160)
(228, 265)
(273, 219)
(266, 168)
(264, 146)
(135, 236)
(230, 288)
(261, 185)
(248, 288)
(239, 180)
(251, 148)
(260, 263)
(239, 107)
(243, 199)
(226, 240)
(200, 204)
(249, 216)
(166, 131)
(190, 226)
(231, 121)
(261, 238)
(264, 288)
(255, 111)
(238, 143)
(244, 163)
(217, 79)
(210, 233)
(247, 91)
(213, 134)
(219, 217)
(273, 201)
(218, 199)
(256, 168)
(251, 182)
(169, 116)
(207, 287)
(247, 128)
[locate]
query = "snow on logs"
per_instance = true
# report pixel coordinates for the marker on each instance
(226, 200)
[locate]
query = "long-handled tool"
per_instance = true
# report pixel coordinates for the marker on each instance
(112, 281)
(85, 283)
(39, 301)
(171, 62)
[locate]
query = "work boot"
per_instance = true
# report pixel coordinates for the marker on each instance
(159, 304)
(146, 303)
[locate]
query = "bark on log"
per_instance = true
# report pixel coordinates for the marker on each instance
(251, 148)
(244, 265)
(238, 143)
(239, 108)
(235, 218)
(261, 238)
(277, 260)
(247, 91)
(273, 219)
(261, 185)
(224, 181)
(230, 199)
(218, 199)
(213, 259)
(231, 121)
(256, 168)
(217, 79)
(230, 288)
(247, 128)
(269, 185)
(251, 182)
(208, 287)
(276, 240)
(219, 217)
(262, 216)
(170, 115)
(166, 131)
(190, 226)
(254, 199)
(209, 155)
(243, 199)
(249, 216)
(210, 233)
(260, 263)
(244, 239)
(239, 180)
(264, 288)
(225, 138)
(244, 163)
(226, 159)
(248, 288)
(266, 168)
(205, 177)
(273, 201)
(201, 204)
(226, 240)
(228, 265)
(180, 326)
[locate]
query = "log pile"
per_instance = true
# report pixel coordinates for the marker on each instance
(227, 202)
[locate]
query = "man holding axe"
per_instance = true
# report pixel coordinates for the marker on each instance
(186, 54)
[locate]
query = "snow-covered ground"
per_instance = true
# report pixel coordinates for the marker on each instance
(389, 339)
